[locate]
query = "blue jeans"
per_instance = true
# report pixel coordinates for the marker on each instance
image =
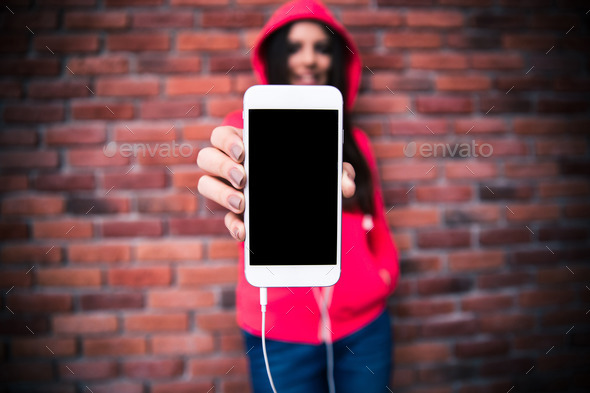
(362, 362)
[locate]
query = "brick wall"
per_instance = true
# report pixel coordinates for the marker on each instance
(117, 277)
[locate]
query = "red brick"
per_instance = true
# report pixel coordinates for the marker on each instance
(13, 230)
(20, 136)
(180, 299)
(500, 280)
(220, 107)
(475, 260)
(172, 109)
(197, 226)
(383, 150)
(444, 238)
(561, 148)
(424, 308)
(80, 324)
(189, 386)
(408, 172)
(443, 193)
(17, 278)
(181, 344)
(170, 250)
(68, 277)
(139, 277)
(198, 131)
(394, 83)
(57, 90)
(188, 41)
(32, 205)
(98, 205)
(40, 347)
(437, 61)
(490, 61)
(111, 301)
(563, 233)
(218, 321)
(479, 126)
(421, 353)
(70, 134)
(484, 303)
(168, 65)
(566, 318)
(168, 154)
(506, 323)
(162, 20)
(444, 104)
(370, 18)
(383, 103)
(138, 42)
(530, 170)
(531, 42)
(39, 302)
(402, 217)
(114, 346)
(421, 264)
(88, 110)
(126, 87)
(481, 348)
(223, 249)
(562, 275)
(470, 170)
(437, 19)
(155, 322)
(418, 127)
(33, 113)
(68, 229)
(93, 157)
(218, 366)
(98, 252)
(503, 236)
(17, 253)
(191, 85)
(153, 369)
(412, 40)
(29, 159)
(545, 297)
(118, 228)
(13, 43)
(126, 3)
(76, 20)
(207, 275)
(88, 369)
(13, 183)
(135, 180)
(10, 89)
(184, 178)
(531, 212)
(66, 44)
(99, 65)
(233, 19)
(383, 61)
(462, 83)
(449, 326)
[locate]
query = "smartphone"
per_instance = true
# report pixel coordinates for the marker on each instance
(293, 139)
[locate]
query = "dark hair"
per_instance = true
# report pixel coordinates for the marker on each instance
(276, 51)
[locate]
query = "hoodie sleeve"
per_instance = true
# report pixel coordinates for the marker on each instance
(233, 119)
(379, 238)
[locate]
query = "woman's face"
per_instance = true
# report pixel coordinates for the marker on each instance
(310, 56)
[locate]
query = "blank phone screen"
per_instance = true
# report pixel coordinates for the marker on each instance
(293, 186)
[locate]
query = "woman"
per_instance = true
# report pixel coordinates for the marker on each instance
(302, 43)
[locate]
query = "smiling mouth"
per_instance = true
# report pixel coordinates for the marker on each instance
(306, 79)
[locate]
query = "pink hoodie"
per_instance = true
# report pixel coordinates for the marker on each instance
(293, 314)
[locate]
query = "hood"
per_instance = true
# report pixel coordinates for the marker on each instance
(313, 10)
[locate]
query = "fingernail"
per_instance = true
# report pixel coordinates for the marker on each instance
(236, 152)
(235, 202)
(236, 233)
(236, 176)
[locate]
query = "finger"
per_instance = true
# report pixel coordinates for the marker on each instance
(219, 192)
(235, 226)
(229, 140)
(348, 185)
(216, 163)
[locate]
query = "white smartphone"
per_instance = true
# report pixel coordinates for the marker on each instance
(293, 161)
